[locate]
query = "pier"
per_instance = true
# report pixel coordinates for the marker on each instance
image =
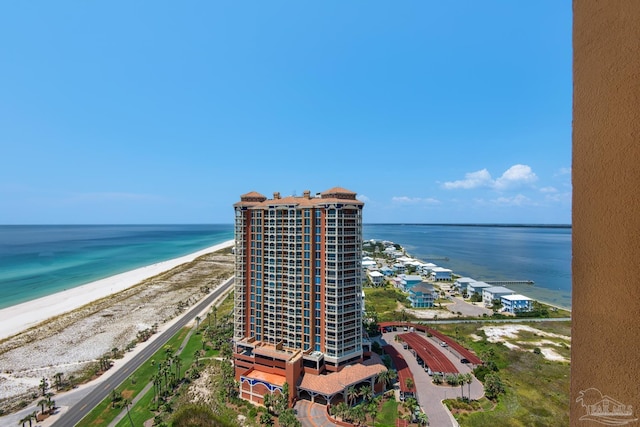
(510, 282)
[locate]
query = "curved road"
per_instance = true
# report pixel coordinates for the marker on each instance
(93, 398)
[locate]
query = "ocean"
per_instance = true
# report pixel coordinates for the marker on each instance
(39, 260)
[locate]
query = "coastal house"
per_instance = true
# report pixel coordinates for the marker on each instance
(427, 268)
(476, 287)
(516, 303)
(410, 280)
(494, 292)
(398, 268)
(386, 271)
(376, 277)
(441, 274)
(422, 295)
(462, 282)
(369, 264)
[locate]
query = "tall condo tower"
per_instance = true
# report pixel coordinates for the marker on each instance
(298, 288)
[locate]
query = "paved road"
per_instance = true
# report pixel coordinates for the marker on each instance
(430, 396)
(312, 414)
(94, 397)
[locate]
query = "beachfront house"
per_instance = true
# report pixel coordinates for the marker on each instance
(398, 268)
(404, 260)
(441, 274)
(369, 265)
(476, 288)
(462, 282)
(386, 271)
(516, 303)
(422, 295)
(376, 277)
(427, 268)
(410, 280)
(494, 292)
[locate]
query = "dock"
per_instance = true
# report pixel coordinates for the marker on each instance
(510, 282)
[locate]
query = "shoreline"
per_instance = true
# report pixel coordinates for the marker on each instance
(20, 317)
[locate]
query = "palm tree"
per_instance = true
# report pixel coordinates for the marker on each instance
(382, 378)
(359, 414)
(42, 403)
(44, 385)
(460, 380)
(366, 393)
(214, 311)
(468, 378)
(393, 376)
(198, 319)
(72, 380)
(352, 395)
(423, 419)
(409, 383)
(58, 380)
(126, 403)
(51, 405)
(341, 409)
(372, 409)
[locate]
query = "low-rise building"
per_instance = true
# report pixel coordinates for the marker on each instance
(516, 303)
(410, 280)
(462, 282)
(441, 274)
(494, 292)
(477, 287)
(386, 271)
(376, 277)
(422, 295)
(398, 268)
(427, 268)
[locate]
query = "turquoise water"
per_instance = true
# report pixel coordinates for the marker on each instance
(41, 260)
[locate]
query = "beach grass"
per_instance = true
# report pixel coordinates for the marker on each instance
(384, 301)
(537, 389)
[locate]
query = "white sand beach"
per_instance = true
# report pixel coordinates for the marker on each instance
(20, 317)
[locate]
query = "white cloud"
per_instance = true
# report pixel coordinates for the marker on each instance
(415, 200)
(559, 197)
(515, 176)
(548, 190)
(481, 178)
(518, 200)
(564, 171)
(362, 198)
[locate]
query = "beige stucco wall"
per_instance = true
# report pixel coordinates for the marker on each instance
(606, 198)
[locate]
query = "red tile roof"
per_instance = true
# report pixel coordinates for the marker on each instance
(336, 382)
(333, 195)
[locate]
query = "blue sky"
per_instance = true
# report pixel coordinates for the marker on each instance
(166, 112)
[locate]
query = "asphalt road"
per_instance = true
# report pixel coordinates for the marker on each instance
(93, 398)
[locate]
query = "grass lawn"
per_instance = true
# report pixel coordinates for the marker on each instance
(103, 414)
(388, 414)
